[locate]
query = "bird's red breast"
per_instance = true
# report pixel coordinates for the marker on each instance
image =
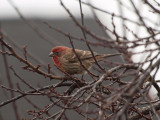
(56, 61)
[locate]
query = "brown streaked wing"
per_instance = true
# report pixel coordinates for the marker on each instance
(83, 55)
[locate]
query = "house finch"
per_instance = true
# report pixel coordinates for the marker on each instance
(66, 60)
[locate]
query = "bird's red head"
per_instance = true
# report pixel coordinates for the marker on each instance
(57, 52)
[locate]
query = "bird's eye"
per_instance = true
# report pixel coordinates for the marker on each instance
(56, 53)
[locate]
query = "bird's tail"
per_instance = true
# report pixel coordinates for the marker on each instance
(103, 56)
(111, 55)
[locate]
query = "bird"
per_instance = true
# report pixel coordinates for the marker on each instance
(69, 60)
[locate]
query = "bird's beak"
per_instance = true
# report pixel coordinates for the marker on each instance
(51, 54)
